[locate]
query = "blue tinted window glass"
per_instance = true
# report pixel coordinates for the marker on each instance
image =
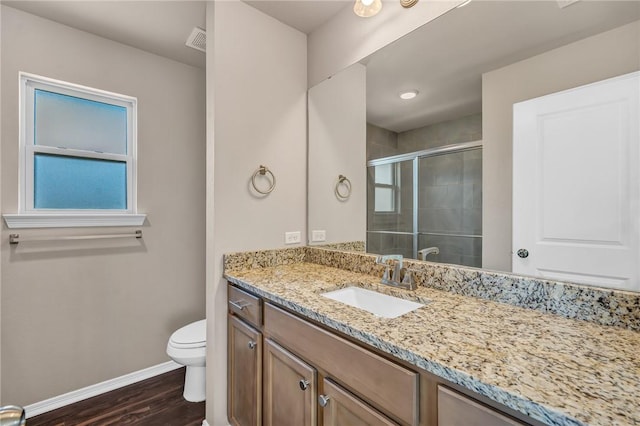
(79, 183)
(64, 121)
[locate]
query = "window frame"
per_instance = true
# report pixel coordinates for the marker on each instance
(28, 215)
(394, 187)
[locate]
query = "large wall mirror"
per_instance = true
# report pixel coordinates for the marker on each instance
(432, 177)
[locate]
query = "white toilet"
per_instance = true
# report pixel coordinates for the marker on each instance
(187, 346)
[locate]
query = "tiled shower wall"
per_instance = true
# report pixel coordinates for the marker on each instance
(381, 142)
(464, 129)
(450, 192)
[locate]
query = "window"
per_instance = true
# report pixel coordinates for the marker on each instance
(386, 188)
(77, 156)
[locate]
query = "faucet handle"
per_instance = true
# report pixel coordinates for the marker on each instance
(408, 276)
(382, 260)
(408, 279)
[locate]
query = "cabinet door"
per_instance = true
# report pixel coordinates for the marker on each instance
(455, 409)
(245, 374)
(385, 384)
(340, 408)
(289, 388)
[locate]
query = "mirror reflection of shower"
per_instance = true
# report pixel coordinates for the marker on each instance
(427, 204)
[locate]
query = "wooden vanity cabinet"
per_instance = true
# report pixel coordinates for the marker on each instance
(290, 388)
(244, 352)
(244, 373)
(286, 371)
(373, 380)
(341, 407)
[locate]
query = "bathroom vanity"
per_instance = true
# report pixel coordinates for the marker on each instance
(296, 357)
(288, 370)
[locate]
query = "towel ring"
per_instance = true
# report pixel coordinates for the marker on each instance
(262, 170)
(343, 188)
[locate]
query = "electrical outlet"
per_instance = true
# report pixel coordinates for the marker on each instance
(292, 237)
(318, 235)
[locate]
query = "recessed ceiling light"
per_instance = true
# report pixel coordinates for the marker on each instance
(409, 94)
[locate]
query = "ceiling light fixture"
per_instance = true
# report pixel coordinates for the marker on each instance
(367, 8)
(408, 3)
(409, 94)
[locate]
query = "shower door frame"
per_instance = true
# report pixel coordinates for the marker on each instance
(415, 157)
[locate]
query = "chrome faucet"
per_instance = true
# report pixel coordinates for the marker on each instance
(422, 254)
(394, 277)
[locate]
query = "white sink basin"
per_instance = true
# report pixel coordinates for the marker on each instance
(378, 304)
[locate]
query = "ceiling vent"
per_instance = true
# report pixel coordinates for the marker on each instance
(198, 39)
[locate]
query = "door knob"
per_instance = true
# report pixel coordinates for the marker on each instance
(522, 253)
(304, 384)
(252, 344)
(323, 400)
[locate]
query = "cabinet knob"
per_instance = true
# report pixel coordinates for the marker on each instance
(304, 384)
(523, 253)
(252, 344)
(323, 400)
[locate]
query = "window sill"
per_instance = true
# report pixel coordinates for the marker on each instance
(20, 221)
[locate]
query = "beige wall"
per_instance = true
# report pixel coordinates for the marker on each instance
(595, 58)
(75, 314)
(257, 75)
(346, 38)
(337, 146)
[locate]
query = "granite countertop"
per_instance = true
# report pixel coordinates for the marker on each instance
(556, 370)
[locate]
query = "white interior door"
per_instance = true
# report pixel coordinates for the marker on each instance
(576, 189)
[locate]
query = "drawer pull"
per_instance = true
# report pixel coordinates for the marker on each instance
(252, 344)
(240, 304)
(304, 384)
(323, 400)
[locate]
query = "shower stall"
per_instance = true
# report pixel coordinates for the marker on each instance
(427, 203)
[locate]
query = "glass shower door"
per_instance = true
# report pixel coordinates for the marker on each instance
(450, 207)
(390, 212)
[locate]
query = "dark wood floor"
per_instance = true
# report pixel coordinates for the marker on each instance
(156, 401)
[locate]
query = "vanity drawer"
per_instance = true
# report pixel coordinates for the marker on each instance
(455, 409)
(245, 305)
(390, 387)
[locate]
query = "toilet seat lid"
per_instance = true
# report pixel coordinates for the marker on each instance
(190, 336)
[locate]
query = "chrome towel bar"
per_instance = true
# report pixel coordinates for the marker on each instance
(15, 238)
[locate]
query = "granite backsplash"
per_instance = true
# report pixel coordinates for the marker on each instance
(598, 305)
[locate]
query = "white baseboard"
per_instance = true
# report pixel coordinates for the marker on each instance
(225, 423)
(99, 388)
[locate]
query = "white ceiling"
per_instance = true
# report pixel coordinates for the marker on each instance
(159, 27)
(162, 27)
(443, 60)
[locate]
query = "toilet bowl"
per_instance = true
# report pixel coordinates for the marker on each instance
(187, 346)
